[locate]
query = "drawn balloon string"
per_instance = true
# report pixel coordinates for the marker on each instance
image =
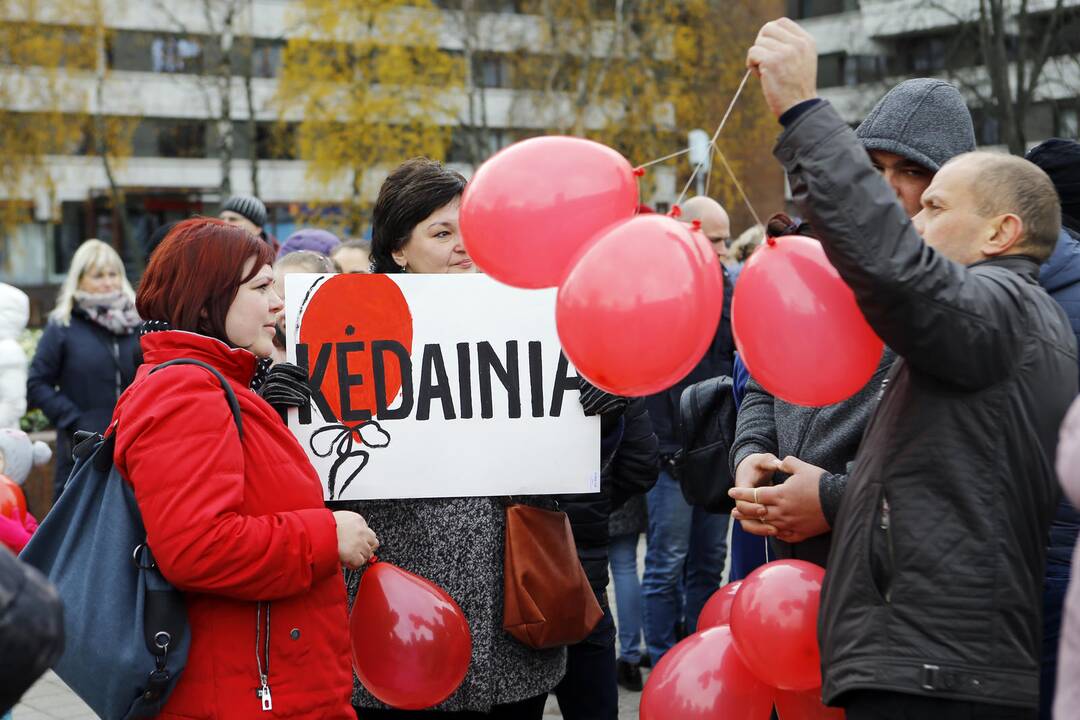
(346, 443)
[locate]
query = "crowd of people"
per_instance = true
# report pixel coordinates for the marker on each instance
(930, 496)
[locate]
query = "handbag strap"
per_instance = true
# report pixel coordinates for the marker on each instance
(230, 396)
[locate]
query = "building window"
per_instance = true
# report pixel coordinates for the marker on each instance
(799, 9)
(171, 54)
(1069, 123)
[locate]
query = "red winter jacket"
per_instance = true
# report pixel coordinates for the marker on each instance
(236, 526)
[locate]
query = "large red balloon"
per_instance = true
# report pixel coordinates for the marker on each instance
(530, 208)
(411, 644)
(640, 306)
(797, 326)
(12, 499)
(805, 705)
(774, 621)
(702, 678)
(717, 610)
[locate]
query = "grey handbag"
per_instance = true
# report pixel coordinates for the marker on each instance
(125, 624)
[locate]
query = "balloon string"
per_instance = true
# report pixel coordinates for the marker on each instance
(664, 159)
(712, 143)
(738, 186)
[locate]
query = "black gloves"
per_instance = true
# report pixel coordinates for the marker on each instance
(595, 401)
(286, 386)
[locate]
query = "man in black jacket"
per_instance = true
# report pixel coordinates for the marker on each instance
(930, 604)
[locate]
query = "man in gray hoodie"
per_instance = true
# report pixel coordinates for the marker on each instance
(911, 132)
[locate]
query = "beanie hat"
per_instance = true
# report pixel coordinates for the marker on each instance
(923, 120)
(320, 241)
(21, 454)
(250, 207)
(1060, 159)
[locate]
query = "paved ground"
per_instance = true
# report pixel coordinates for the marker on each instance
(51, 699)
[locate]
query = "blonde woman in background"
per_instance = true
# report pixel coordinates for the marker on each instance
(88, 353)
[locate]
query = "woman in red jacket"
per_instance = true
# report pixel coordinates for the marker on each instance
(237, 524)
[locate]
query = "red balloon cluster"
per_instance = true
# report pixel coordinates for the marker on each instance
(756, 647)
(411, 644)
(797, 326)
(639, 295)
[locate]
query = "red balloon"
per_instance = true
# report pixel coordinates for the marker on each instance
(411, 644)
(805, 705)
(702, 678)
(797, 326)
(352, 308)
(641, 305)
(717, 610)
(774, 621)
(530, 208)
(12, 499)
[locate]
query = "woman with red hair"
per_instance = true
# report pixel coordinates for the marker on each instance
(235, 522)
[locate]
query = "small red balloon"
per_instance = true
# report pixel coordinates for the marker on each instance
(797, 326)
(774, 622)
(641, 305)
(530, 208)
(717, 610)
(411, 644)
(702, 678)
(805, 705)
(12, 499)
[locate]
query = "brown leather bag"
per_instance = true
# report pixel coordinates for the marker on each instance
(547, 598)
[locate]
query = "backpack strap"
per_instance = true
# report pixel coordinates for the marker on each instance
(230, 396)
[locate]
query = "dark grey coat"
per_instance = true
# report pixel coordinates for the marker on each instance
(827, 437)
(936, 570)
(457, 543)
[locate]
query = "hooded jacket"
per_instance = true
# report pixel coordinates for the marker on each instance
(936, 568)
(240, 527)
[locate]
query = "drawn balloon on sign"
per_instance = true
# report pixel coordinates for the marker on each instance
(340, 322)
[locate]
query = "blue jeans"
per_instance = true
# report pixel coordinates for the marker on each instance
(684, 561)
(622, 555)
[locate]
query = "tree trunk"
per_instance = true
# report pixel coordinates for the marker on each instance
(252, 125)
(117, 200)
(992, 32)
(224, 83)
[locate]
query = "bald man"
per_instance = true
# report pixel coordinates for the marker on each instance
(686, 545)
(931, 603)
(715, 223)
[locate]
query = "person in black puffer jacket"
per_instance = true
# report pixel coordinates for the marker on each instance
(89, 351)
(630, 467)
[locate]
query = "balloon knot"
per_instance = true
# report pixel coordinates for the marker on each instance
(676, 211)
(770, 240)
(696, 224)
(639, 172)
(374, 559)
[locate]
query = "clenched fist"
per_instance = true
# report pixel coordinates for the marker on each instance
(356, 541)
(784, 56)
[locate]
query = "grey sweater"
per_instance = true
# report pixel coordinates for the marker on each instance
(827, 437)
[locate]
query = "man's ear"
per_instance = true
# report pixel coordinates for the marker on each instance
(1007, 237)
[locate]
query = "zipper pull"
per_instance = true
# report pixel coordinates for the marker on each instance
(264, 693)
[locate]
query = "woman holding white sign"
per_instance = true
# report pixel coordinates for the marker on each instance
(457, 543)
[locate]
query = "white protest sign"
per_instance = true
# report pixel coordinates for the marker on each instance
(436, 386)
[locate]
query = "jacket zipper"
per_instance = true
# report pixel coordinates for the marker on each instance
(262, 658)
